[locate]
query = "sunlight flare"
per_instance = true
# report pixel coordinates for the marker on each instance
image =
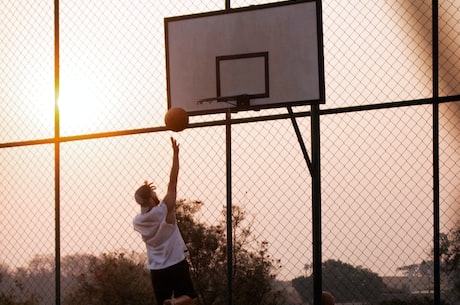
(79, 101)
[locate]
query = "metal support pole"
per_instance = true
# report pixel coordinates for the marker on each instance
(316, 171)
(228, 136)
(316, 204)
(436, 224)
(57, 154)
(314, 168)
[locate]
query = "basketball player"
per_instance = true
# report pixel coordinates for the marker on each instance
(166, 250)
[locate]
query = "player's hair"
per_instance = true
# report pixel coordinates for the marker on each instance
(144, 193)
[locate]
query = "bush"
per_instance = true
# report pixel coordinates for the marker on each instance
(11, 288)
(112, 279)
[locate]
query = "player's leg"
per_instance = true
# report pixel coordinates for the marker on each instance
(161, 288)
(184, 291)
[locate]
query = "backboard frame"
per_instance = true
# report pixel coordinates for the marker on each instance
(244, 101)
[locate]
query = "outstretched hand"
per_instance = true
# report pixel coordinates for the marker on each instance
(175, 146)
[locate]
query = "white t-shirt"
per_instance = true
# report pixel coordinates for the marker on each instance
(165, 245)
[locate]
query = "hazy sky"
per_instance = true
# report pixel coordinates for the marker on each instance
(376, 166)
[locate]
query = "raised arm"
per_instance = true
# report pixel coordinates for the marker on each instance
(170, 198)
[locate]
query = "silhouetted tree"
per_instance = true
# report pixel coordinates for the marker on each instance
(450, 262)
(346, 282)
(112, 279)
(253, 270)
(12, 291)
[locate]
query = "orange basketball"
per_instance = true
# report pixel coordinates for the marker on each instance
(327, 298)
(176, 119)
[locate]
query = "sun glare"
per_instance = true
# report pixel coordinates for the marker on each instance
(78, 102)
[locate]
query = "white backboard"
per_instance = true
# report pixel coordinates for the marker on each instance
(269, 53)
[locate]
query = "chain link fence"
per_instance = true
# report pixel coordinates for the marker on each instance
(377, 148)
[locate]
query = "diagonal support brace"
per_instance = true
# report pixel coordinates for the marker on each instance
(300, 139)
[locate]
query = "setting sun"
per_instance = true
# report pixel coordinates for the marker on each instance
(79, 101)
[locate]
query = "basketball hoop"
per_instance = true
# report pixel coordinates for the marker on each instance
(242, 100)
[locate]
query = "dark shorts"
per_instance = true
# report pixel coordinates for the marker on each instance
(172, 280)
